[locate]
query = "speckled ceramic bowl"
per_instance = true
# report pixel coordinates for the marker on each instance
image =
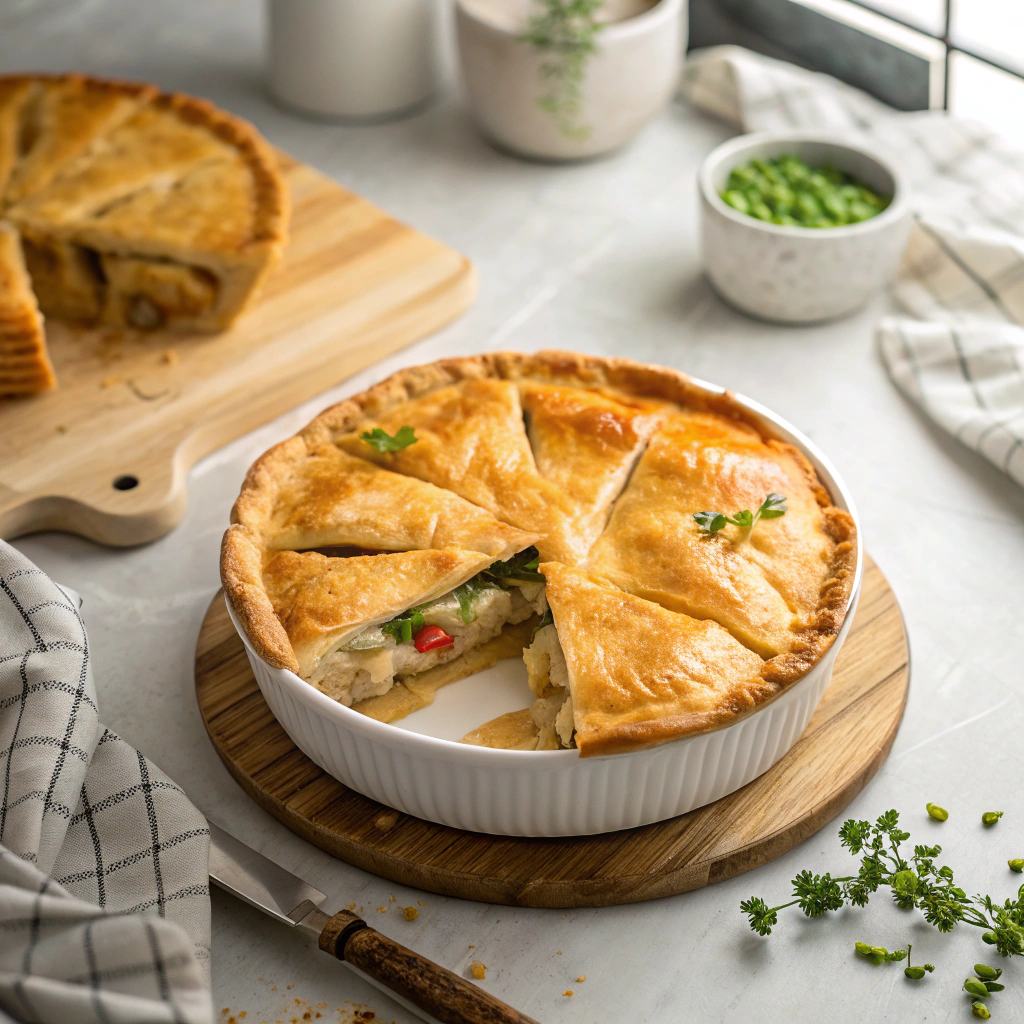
(795, 274)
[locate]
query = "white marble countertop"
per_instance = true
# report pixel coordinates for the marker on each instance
(603, 258)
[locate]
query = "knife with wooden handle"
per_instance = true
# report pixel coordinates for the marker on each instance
(432, 992)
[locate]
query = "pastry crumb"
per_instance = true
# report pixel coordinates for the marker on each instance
(558, 952)
(568, 992)
(582, 977)
(109, 382)
(392, 899)
(472, 947)
(382, 910)
(61, 429)
(350, 906)
(421, 903)
(170, 357)
(410, 913)
(477, 969)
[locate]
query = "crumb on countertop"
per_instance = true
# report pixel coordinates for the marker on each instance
(382, 910)
(477, 969)
(350, 906)
(581, 978)
(410, 913)
(421, 903)
(392, 899)
(568, 992)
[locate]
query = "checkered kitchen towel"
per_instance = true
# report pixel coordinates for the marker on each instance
(104, 905)
(960, 353)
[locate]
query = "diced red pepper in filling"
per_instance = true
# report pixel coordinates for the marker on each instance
(430, 638)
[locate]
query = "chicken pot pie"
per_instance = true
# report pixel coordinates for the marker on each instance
(136, 208)
(661, 562)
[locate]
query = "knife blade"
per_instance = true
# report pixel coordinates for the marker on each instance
(428, 990)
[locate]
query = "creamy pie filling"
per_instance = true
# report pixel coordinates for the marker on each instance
(369, 664)
(552, 711)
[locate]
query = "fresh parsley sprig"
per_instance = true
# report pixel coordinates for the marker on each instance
(773, 506)
(381, 440)
(915, 881)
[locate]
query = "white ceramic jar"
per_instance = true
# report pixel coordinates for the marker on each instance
(354, 58)
(796, 274)
(629, 78)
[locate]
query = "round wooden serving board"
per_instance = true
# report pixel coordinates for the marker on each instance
(845, 744)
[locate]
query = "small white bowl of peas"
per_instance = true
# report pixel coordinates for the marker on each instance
(800, 227)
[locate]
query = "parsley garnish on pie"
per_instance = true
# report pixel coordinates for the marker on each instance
(384, 442)
(772, 507)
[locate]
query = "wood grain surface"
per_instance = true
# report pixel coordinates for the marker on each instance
(353, 286)
(846, 742)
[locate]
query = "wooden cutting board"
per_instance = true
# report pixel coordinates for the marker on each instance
(847, 741)
(107, 454)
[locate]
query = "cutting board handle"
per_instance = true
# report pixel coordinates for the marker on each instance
(435, 989)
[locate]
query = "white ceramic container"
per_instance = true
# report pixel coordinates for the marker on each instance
(625, 83)
(796, 274)
(553, 793)
(354, 58)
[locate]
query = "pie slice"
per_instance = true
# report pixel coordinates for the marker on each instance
(358, 624)
(771, 587)
(637, 674)
(24, 365)
(14, 93)
(170, 220)
(58, 118)
(471, 440)
(586, 443)
(328, 498)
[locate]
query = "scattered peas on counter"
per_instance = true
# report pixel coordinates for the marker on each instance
(787, 191)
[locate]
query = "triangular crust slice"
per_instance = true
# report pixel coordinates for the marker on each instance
(328, 498)
(769, 587)
(640, 674)
(322, 602)
(24, 364)
(61, 116)
(471, 440)
(586, 443)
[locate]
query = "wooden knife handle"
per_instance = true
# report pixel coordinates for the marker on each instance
(430, 986)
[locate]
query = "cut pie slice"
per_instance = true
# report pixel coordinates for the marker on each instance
(24, 365)
(58, 118)
(170, 220)
(470, 439)
(358, 624)
(771, 586)
(638, 674)
(586, 443)
(14, 93)
(328, 498)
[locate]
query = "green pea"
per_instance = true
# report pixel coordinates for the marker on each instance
(980, 1010)
(760, 210)
(737, 200)
(975, 987)
(993, 986)
(989, 818)
(935, 812)
(914, 972)
(987, 973)
(1017, 864)
(989, 938)
(785, 220)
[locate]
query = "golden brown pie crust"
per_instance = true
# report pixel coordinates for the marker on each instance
(137, 208)
(247, 546)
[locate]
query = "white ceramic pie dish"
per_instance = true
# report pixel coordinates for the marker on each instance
(555, 793)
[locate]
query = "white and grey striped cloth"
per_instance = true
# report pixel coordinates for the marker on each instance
(104, 899)
(960, 353)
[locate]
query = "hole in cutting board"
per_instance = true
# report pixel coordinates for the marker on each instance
(125, 482)
(460, 707)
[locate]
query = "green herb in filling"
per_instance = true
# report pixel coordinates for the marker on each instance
(521, 567)
(789, 192)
